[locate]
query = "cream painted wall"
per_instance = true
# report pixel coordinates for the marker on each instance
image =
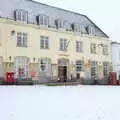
(9, 48)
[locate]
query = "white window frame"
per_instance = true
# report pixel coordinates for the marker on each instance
(79, 65)
(93, 48)
(91, 29)
(93, 68)
(22, 39)
(79, 46)
(43, 20)
(60, 23)
(105, 49)
(21, 15)
(44, 42)
(21, 63)
(76, 27)
(63, 44)
(105, 68)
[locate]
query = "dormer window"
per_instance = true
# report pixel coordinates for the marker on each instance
(59, 23)
(90, 29)
(21, 15)
(76, 27)
(42, 20)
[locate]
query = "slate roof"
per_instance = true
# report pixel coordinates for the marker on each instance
(34, 8)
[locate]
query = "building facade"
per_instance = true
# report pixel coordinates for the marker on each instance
(47, 43)
(116, 58)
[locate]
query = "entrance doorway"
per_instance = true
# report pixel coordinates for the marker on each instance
(62, 73)
(63, 69)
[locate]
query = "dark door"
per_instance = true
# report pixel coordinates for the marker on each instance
(62, 73)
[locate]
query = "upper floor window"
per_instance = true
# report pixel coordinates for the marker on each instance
(93, 48)
(22, 39)
(79, 65)
(79, 46)
(63, 44)
(21, 15)
(44, 42)
(105, 49)
(42, 20)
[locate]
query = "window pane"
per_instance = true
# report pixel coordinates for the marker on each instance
(79, 46)
(19, 15)
(93, 48)
(105, 67)
(19, 39)
(79, 65)
(105, 50)
(44, 42)
(46, 19)
(63, 44)
(24, 16)
(93, 68)
(41, 19)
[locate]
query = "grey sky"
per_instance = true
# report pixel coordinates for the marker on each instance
(102, 12)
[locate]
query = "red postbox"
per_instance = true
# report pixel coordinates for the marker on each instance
(113, 78)
(10, 78)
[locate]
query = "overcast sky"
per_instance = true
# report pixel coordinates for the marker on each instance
(104, 13)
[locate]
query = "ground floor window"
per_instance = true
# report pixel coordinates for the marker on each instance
(105, 68)
(44, 64)
(93, 68)
(79, 65)
(1, 66)
(21, 67)
(0, 62)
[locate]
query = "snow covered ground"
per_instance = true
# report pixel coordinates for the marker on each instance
(59, 103)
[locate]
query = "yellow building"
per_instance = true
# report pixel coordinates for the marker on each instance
(46, 46)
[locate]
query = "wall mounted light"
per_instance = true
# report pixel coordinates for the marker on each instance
(34, 59)
(13, 32)
(100, 45)
(10, 58)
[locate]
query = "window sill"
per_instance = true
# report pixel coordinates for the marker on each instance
(80, 52)
(22, 46)
(44, 48)
(105, 54)
(94, 53)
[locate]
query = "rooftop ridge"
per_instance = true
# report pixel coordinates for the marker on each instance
(34, 1)
(56, 7)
